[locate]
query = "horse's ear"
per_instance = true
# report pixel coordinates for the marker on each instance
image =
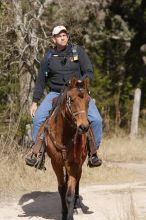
(72, 82)
(86, 82)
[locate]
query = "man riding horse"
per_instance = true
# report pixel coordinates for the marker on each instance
(58, 66)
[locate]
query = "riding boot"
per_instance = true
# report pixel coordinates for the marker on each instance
(94, 160)
(36, 160)
(31, 157)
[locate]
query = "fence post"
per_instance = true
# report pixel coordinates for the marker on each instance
(135, 113)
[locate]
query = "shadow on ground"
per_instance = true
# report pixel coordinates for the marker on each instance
(44, 204)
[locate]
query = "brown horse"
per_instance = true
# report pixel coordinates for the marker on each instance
(65, 139)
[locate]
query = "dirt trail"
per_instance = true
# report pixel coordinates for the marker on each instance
(100, 202)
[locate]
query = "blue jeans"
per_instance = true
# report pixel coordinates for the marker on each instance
(46, 105)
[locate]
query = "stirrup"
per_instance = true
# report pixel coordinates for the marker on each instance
(30, 159)
(36, 161)
(40, 161)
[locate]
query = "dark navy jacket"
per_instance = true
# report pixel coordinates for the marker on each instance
(61, 68)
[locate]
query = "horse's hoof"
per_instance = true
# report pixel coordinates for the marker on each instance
(64, 216)
(78, 211)
(77, 203)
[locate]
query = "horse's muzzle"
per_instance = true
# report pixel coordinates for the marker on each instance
(83, 129)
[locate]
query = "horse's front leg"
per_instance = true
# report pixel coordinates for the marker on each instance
(70, 196)
(77, 203)
(62, 192)
(62, 188)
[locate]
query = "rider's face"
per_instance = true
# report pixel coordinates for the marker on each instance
(61, 39)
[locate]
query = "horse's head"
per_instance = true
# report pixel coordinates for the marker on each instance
(77, 101)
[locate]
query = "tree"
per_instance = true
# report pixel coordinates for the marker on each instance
(113, 33)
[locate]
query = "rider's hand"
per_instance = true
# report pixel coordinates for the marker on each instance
(33, 109)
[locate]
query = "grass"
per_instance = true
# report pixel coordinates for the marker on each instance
(124, 149)
(16, 177)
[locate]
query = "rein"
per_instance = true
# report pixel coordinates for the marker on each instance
(60, 147)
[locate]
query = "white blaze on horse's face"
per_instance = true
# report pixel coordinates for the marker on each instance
(78, 100)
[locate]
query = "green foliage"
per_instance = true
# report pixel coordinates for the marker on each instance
(24, 120)
(4, 6)
(100, 89)
(9, 89)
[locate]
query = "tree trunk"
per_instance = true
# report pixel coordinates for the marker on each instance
(27, 43)
(26, 58)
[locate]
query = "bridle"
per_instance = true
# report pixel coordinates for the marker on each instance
(69, 110)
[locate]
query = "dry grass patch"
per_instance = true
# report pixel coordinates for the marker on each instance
(17, 178)
(123, 149)
(107, 174)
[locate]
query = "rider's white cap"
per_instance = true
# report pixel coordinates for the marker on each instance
(58, 29)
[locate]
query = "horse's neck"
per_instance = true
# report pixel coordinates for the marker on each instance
(61, 127)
